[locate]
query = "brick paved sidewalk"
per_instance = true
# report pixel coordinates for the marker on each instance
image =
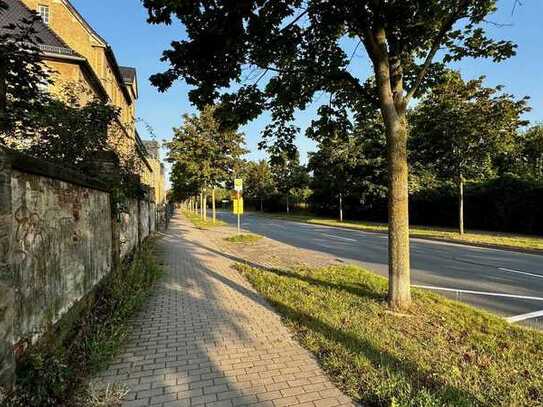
(207, 338)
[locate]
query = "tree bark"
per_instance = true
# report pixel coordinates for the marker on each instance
(340, 207)
(213, 205)
(461, 204)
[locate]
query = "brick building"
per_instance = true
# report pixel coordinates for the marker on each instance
(75, 52)
(153, 149)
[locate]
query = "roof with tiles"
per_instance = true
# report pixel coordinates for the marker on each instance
(12, 19)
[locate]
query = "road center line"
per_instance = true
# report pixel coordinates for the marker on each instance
(520, 272)
(524, 317)
(347, 239)
(491, 294)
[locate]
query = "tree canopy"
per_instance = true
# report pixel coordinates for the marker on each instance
(203, 154)
(258, 181)
(460, 126)
(280, 54)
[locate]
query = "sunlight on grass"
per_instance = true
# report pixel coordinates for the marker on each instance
(244, 238)
(198, 222)
(441, 353)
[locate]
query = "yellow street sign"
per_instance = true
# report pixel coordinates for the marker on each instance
(238, 185)
(238, 206)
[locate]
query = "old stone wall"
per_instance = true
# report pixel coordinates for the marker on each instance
(7, 289)
(61, 247)
(152, 217)
(144, 219)
(129, 227)
(59, 238)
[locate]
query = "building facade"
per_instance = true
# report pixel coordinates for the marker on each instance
(75, 53)
(158, 173)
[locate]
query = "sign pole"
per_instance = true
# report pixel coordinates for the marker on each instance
(239, 216)
(238, 204)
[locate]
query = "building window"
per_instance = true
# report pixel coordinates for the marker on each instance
(43, 12)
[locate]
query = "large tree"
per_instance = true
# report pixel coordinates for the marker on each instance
(460, 127)
(288, 174)
(280, 54)
(349, 161)
(258, 180)
(205, 151)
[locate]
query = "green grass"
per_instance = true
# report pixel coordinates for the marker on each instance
(198, 222)
(494, 239)
(440, 353)
(243, 238)
(53, 372)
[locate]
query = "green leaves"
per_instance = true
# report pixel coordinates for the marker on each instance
(258, 180)
(295, 50)
(23, 77)
(203, 153)
(460, 128)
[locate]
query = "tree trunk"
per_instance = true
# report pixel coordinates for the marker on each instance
(395, 121)
(213, 205)
(461, 204)
(288, 207)
(201, 205)
(340, 207)
(204, 206)
(399, 290)
(261, 205)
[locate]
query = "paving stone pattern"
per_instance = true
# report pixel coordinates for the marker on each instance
(268, 253)
(206, 338)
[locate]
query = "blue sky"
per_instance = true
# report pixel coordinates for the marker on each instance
(123, 24)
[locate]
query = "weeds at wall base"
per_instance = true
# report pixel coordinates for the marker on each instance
(54, 371)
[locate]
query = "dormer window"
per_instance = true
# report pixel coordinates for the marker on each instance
(43, 12)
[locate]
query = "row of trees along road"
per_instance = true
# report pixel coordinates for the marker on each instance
(305, 47)
(204, 157)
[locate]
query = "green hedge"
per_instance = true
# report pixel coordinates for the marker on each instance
(505, 204)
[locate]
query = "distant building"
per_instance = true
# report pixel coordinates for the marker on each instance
(157, 180)
(75, 52)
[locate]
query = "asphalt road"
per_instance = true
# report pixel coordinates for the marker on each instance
(507, 283)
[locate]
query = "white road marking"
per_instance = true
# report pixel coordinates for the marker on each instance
(491, 294)
(524, 317)
(347, 239)
(520, 272)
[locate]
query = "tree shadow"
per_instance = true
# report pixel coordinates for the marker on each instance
(380, 359)
(417, 377)
(358, 290)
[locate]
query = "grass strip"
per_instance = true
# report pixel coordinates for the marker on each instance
(440, 353)
(54, 373)
(493, 239)
(198, 222)
(243, 238)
